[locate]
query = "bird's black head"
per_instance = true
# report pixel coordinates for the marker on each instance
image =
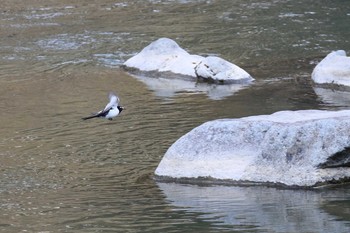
(120, 108)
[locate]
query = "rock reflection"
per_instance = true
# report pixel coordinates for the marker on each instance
(334, 97)
(167, 88)
(262, 208)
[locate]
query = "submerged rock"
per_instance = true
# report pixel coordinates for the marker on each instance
(293, 148)
(333, 69)
(165, 55)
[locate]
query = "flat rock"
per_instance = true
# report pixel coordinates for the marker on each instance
(293, 148)
(333, 69)
(165, 55)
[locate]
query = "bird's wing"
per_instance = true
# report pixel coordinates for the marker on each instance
(113, 101)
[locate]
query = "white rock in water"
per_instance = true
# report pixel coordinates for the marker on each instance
(333, 69)
(217, 69)
(165, 55)
(294, 148)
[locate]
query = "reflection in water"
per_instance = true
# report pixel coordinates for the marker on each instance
(261, 208)
(166, 87)
(333, 97)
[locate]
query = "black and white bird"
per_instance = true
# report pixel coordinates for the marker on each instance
(112, 109)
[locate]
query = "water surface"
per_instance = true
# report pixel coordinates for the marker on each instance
(59, 60)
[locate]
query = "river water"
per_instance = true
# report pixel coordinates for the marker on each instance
(59, 60)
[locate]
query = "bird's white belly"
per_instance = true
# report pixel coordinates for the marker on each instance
(112, 113)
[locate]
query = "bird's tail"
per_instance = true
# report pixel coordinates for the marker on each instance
(89, 117)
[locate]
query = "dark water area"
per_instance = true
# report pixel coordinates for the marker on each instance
(59, 60)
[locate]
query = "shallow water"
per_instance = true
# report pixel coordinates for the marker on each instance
(60, 59)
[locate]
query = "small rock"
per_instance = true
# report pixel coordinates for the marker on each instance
(333, 69)
(216, 69)
(165, 55)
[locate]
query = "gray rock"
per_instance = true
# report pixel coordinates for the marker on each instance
(293, 148)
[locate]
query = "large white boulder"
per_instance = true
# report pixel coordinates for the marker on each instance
(165, 55)
(294, 148)
(333, 69)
